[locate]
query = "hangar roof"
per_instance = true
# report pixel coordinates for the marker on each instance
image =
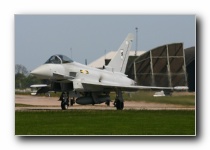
(98, 63)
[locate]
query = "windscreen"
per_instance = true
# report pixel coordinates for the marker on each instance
(58, 59)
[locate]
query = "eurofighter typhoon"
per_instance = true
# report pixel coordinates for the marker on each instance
(88, 85)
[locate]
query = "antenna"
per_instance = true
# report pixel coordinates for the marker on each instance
(136, 41)
(85, 61)
(71, 53)
(105, 58)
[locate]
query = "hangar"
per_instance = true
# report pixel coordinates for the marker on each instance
(161, 66)
(166, 65)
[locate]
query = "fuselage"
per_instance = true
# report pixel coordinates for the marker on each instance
(74, 70)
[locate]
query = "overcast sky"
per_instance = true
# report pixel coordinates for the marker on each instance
(81, 37)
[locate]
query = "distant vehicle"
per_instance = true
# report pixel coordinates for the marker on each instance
(159, 94)
(39, 89)
(163, 93)
(168, 92)
(90, 85)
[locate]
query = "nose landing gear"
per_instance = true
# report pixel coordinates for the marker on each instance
(64, 100)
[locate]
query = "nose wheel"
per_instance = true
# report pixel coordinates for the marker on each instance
(64, 100)
(64, 105)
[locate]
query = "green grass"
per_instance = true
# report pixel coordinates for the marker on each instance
(27, 105)
(180, 98)
(23, 105)
(52, 94)
(105, 122)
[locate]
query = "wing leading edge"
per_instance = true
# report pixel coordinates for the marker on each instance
(121, 87)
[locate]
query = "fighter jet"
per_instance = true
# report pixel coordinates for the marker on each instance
(88, 85)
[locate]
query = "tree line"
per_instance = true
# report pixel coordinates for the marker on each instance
(23, 79)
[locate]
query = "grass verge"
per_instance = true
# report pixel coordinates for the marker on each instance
(105, 122)
(180, 98)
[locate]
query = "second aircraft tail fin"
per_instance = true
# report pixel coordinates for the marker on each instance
(119, 62)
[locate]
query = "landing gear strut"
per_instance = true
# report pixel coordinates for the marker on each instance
(64, 100)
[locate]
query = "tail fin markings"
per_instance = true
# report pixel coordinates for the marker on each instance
(119, 62)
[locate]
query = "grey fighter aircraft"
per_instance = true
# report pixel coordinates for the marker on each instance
(88, 85)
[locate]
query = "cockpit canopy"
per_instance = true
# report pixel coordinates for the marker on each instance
(58, 59)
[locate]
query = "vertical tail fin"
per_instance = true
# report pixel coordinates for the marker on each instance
(119, 62)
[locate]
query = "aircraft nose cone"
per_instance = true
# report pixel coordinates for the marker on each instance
(43, 71)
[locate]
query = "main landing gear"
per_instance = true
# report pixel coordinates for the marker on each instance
(119, 102)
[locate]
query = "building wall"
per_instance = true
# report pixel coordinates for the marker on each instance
(190, 63)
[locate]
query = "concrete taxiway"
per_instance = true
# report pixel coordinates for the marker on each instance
(52, 103)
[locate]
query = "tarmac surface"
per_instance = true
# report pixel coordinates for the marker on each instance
(52, 103)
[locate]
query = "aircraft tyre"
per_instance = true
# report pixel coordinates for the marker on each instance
(119, 105)
(107, 102)
(64, 105)
(72, 102)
